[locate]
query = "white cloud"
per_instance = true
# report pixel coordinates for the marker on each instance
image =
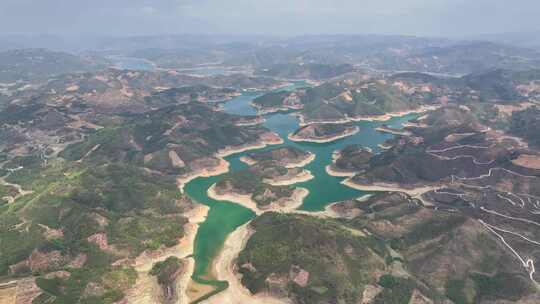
(431, 17)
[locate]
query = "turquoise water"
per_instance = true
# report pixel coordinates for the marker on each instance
(325, 189)
(208, 71)
(224, 217)
(130, 63)
(241, 105)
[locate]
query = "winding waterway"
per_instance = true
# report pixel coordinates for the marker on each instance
(132, 63)
(224, 217)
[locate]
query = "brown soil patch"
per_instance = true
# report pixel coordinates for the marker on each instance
(8, 294)
(528, 161)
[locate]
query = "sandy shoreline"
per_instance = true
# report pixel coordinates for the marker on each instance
(281, 205)
(271, 139)
(303, 123)
(257, 121)
(393, 131)
(304, 176)
(311, 157)
(243, 200)
(146, 289)
(391, 115)
(224, 266)
(413, 192)
(182, 282)
(221, 168)
(383, 117)
(345, 134)
(271, 110)
(328, 213)
(302, 163)
(248, 160)
(333, 172)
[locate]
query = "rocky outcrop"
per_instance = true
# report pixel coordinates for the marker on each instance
(100, 239)
(370, 293)
(299, 276)
(41, 262)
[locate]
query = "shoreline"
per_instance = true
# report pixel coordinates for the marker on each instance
(245, 200)
(224, 269)
(401, 132)
(413, 192)
(257, 121)
(302, 163)
(372, 118)
(304, 176)
(390, 115)
(223, 264)
(273, 110)
(223, 166)
(185, 283)
(332, 172)
(302, 122)
(183, 280)
(352, 131)
(248, 160)
(311, 157)
(327, 213)
(271, 139)
(146, 287)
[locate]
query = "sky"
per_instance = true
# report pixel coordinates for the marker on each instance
(450, 18)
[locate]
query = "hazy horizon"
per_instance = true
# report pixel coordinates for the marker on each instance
(426, 18)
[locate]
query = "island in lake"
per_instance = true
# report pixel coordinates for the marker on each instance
(323, 133)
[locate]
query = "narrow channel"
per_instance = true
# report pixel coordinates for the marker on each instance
(224, 217)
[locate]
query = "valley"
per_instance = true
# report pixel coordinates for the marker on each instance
(152, 177)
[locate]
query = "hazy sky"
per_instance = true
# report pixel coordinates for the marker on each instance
(416, 17)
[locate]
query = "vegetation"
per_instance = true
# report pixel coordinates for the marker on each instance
(108, 286)
(271, 100)
(111, 193)
(502, 285)
(309, 71)
(322, 131)
(247, 182)
(283, 155)
(428, 230)
(461, 58)
(339, 100)
(166, 271)
(324, 249)
(40, 64)
(526, 123)
(133, 210)
(188, 94)
(7, 191)
(396, 290)
(353, 158)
